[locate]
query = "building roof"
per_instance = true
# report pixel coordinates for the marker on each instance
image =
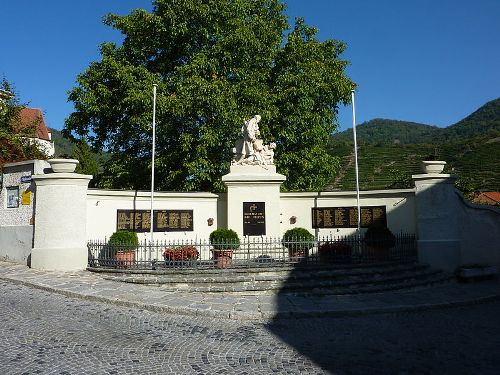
(493, 195)
(487, 197)
(30, 116)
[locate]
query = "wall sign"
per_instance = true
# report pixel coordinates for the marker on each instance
(26, 198)
(25, 179)
(163, 220)
(254, 218)
(346, 217)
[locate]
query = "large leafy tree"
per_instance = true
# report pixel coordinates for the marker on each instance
(216, 63)
(87, 161)
(15, 133)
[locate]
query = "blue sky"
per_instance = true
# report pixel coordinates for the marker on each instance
(426, 61)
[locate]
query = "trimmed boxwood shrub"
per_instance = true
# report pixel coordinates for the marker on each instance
(123, 241)
(379, 237)
(333, 251)
(224, 239)
(298, 240)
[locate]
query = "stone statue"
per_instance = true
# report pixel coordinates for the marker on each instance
(250, 150)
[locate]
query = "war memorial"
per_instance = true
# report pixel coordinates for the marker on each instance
(50, 220)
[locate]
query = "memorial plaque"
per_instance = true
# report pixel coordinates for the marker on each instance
(164, 220)
(173, 221)
(133, 220)
(254, 218)
(347, 217)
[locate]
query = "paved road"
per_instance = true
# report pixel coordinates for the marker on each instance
(44, 333)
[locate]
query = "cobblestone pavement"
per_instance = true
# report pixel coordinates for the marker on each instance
(46, 333)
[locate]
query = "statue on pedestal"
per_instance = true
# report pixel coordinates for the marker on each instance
(250, 150)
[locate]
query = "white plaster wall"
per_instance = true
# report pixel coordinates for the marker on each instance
(102, 206)
(399, 204)
(480, 229)
(16, 243)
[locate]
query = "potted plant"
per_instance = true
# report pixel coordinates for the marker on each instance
(379, 240)
(183, 255)
(335, 252)
(432, 163)
(471, 272)
(298, 241)
(123, 245)
(224, 242)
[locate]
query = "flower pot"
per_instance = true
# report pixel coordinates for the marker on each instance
(433, 166)
(169, 263)
(63, 165)
(297, 255)
(477, 272)
(223, 258)
(125, 259)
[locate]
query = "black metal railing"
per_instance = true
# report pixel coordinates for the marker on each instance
(253, 252)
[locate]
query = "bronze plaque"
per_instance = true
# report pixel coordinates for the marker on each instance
(164, 220)
(173, 221)
(254, 218)
(347, 217)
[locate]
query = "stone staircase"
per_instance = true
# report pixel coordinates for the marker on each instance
(307, 279)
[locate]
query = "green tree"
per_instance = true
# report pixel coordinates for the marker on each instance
(216, 63)
(14, 145)
(88, 163)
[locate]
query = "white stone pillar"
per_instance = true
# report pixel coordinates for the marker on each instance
(438, 233)
(253, 184)
(60, 222)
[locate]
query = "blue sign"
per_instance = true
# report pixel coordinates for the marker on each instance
(25, 178)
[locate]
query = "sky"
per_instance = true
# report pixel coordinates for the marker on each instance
(426, 61)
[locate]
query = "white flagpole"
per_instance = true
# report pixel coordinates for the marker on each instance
(153, 169)
(356, 159)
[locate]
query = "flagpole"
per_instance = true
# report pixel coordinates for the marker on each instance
(151, 218)
(356, 160)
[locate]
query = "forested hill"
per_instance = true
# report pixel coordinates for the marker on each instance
(483, 122)
(64, 147)
(383, 131)
(391, 151)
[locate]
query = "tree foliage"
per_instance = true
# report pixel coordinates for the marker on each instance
(216, 63)
(88, 163)
(14, 145)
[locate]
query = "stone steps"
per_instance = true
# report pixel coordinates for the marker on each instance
(305, 280)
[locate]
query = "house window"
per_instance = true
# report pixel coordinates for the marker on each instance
(13, 197)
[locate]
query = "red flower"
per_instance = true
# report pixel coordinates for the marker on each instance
(184, 252)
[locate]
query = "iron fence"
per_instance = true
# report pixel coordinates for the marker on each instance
(252, 252)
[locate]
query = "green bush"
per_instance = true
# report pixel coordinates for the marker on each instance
(224, 239)
(298, 239)
(123, 240)
(380, 237)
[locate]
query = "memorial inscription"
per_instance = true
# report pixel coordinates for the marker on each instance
(346, 217)
(163, 220)
(254, 218)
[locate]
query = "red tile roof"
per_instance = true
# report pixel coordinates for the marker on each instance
(30, 116)
(493, 195)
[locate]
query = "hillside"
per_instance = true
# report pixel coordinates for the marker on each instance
(390, 151)
(384, 131)
(484, 121)
(63, 146)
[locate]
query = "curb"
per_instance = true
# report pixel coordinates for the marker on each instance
(264, 317)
